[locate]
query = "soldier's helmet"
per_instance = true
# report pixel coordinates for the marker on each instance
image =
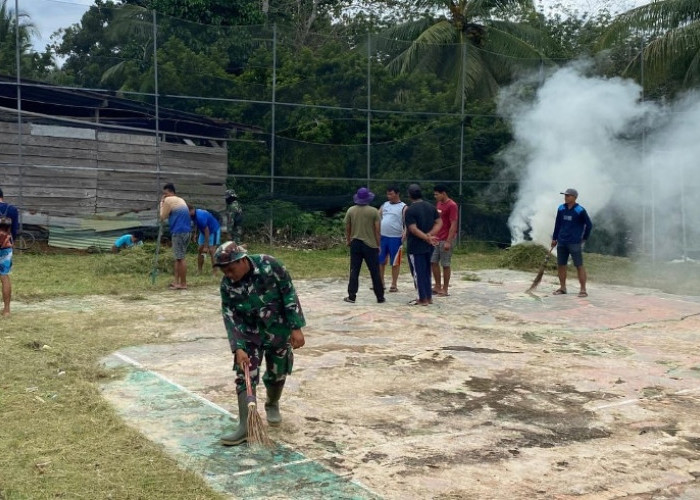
(230, 195)
(228, 252)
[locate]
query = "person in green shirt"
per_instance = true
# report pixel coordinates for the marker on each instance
(263, 320)
(362, 235)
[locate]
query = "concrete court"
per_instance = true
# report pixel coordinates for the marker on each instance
(490, 393)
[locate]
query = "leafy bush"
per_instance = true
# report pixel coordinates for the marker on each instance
(292, 225)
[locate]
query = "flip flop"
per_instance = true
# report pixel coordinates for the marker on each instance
(393, 289)
(442, 294)
(415, 302)
(583, 294)
(559, 292)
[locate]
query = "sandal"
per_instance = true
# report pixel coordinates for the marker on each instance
(393, 289)
(583, 293)
(416, 302)
(559, 292)
(442, 294)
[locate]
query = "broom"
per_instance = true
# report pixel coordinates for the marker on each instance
(540, 273)
(257, 436)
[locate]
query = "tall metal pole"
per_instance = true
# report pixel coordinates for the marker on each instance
(273, 129)
(20, 160)
(461, 140)
(644, 160)
(154, 271)
(369, 102)
(157, 92)
(683, 225)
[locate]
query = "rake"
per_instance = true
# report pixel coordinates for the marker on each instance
(540, 273)
(257, 435)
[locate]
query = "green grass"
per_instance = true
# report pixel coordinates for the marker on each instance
(60, 439)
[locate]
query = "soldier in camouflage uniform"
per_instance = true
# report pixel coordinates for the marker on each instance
(234, 216)
(263, 317)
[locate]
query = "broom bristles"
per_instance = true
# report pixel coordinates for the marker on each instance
(540, 273)
(257, 435)
(537, 280)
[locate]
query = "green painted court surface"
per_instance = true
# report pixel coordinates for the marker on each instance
(188, 427)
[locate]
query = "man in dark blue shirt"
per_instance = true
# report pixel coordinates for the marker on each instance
(571, 230)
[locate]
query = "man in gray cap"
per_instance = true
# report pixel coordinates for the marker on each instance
(362, 235)
(263, 320)
(571, 230)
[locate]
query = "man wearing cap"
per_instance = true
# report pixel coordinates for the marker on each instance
(263, 319)
(362, 235)
(234, 216)
(571, 230)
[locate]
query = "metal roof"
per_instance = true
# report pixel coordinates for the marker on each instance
(105, 108)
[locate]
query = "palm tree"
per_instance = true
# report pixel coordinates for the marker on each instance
(8, 38)
(666, 34)
(477, 44)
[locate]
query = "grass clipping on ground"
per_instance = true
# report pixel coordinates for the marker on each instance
(59, 438)
(138, 260)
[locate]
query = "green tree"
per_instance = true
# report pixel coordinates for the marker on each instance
(8, 42)
(478, 42)
(663, 37)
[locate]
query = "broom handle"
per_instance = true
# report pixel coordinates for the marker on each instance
(248, 386)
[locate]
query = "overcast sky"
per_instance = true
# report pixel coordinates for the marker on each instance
(50, 15)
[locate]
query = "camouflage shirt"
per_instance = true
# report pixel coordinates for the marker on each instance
(233, 209)
(261, 308)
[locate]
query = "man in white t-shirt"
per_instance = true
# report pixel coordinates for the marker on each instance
(393, 234)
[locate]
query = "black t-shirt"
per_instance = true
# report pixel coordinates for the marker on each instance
(423, 215)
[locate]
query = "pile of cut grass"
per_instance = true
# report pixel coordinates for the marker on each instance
(524, 257)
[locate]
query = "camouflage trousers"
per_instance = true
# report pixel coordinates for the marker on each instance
(278, 364)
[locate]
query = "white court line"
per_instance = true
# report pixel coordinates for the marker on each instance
(204, 400)
(637, 400)
(272, 467)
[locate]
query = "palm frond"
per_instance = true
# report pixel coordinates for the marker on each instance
(486, 8)
(437, 35)
(674, 48)
(652, 19)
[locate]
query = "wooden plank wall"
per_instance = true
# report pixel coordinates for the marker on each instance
(70, 172)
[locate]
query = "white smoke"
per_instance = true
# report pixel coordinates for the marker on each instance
(623, 155)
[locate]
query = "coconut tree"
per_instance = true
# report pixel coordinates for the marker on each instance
(666, 39)
(8, 38)
(478, 44)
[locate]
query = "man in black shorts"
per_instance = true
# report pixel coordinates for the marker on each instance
(571, 230)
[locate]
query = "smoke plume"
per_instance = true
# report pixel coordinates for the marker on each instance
(633, 162)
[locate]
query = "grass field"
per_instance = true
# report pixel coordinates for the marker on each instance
(60, 439)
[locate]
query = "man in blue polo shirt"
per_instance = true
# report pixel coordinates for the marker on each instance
(571, 230)
(208, 235)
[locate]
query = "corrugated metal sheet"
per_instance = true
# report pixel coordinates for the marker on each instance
(60, 237)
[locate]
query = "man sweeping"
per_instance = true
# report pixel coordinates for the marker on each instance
(572, 227)
(263, 319)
